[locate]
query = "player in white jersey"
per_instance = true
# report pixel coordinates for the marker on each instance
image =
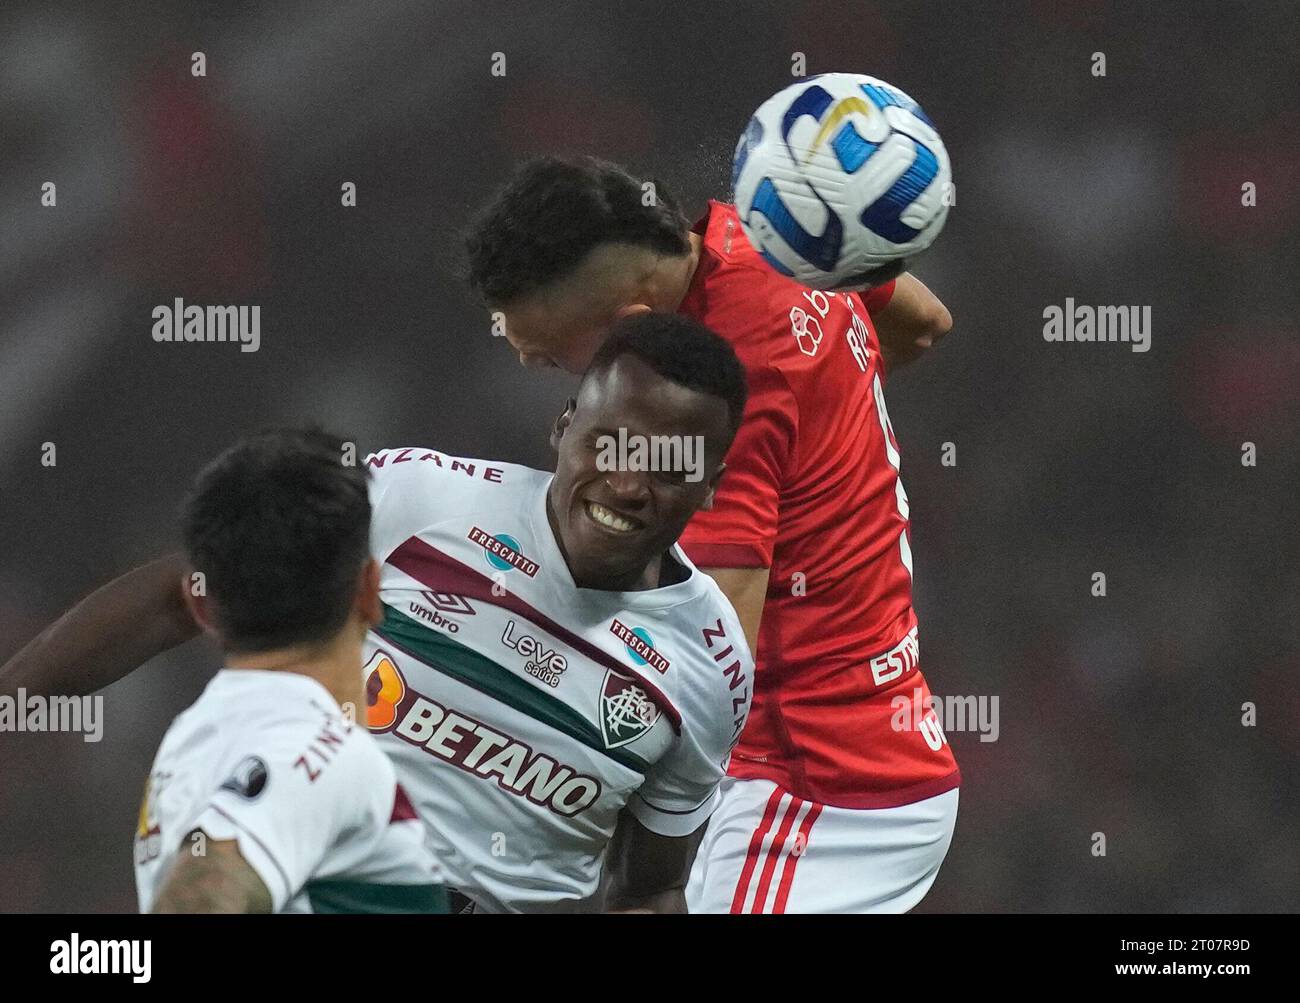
(551, 668)
(558, 686)
(265, 796)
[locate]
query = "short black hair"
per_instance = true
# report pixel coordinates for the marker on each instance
(681, 350)
(553, 213)
(279, 526)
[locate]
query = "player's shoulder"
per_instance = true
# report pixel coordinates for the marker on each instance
(464, 471)
(714, 605)
(272, 717)
(735, 279)
(773, 322)
(714, 683)
(412, 479)
(416, 490)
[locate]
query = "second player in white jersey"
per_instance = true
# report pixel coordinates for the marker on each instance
(522, 711)
(269, 760)
(265, 795)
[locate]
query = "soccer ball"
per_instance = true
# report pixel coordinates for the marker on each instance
(840, 180)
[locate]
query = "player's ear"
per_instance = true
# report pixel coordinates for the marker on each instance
(562, 423)
(196, 601)
(631, 310)
(713, 487)
(368, 604)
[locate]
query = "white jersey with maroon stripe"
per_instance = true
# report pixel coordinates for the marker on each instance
(269, 760)
(524, 713)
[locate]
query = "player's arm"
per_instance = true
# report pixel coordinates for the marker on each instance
(746, 588)
(733, 540)
(106, 635)
(219, 881)
(913, 320)
(648, 871)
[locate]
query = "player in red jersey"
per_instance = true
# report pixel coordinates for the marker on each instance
(829, 806)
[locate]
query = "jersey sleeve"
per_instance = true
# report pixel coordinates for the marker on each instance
(403, 486)
(681, 790)
(878, 297)
(287, 807)
(739, 531)
(412, 489)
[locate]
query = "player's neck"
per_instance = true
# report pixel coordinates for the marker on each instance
(676, 276)
(335, 664)
(647, 577)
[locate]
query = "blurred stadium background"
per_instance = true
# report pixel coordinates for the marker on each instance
(1119, 715)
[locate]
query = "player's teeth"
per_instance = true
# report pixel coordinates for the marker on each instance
(607, 518)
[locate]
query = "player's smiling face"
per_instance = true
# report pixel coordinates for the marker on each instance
(614, 525)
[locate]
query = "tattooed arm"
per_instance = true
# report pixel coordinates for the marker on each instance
(219, 881)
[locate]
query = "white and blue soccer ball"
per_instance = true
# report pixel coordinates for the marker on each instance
(841, 180)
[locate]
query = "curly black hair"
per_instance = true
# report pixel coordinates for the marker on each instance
(553, 212)
(681, 350)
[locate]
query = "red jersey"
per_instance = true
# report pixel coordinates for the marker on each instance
(840, 711)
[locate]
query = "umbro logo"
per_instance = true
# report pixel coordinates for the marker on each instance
(448, 602)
